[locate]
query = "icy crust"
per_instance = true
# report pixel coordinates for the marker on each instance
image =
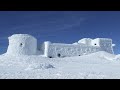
(70, 50)
(83, 46)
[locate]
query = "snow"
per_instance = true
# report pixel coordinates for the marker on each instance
(86, 41)
(68, 50)
(46, 45)
(85, 59)
(83, 46)
(99, 65)
(113, 45)
(22, 44)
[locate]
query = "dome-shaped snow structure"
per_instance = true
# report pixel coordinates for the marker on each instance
(22, 44)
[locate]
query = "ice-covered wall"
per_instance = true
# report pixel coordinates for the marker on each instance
(106, 45)
(83, 46)
(63, 50)
(22, 44)
(95, 42)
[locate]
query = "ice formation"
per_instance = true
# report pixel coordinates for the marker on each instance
(24, 44)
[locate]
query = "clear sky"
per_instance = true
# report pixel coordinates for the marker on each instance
(60, 26)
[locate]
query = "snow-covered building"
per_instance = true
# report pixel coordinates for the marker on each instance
(24, 44)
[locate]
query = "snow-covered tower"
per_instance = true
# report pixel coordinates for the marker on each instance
(22, 44)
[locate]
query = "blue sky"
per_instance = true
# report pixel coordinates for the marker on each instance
(60, 26)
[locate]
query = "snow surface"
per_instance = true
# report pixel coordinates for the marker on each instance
(99, 65)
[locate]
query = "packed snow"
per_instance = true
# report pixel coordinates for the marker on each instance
(99, 65)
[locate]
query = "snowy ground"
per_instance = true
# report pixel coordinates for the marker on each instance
(100, 65)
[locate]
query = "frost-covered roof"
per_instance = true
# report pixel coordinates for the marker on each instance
(20, 35)
(103, 38)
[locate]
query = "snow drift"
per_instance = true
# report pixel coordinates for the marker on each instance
(99, 65)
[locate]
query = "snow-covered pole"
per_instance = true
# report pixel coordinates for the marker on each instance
(46, 43)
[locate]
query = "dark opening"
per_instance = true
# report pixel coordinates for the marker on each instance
(79, 55)
(50, 57)
(95, 44)
(58, 55)
(21, 44)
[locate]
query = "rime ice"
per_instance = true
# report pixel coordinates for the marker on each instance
(24, 44)
(32, 62)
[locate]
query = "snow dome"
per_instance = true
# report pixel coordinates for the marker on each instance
(22, 44)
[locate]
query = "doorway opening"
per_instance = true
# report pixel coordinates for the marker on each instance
(58, 55)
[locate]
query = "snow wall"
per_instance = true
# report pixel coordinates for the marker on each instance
(22, 44)
(104, 43)
(63, 50)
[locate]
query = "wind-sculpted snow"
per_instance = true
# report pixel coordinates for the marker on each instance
(100, 65)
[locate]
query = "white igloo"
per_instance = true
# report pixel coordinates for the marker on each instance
(22, 44)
